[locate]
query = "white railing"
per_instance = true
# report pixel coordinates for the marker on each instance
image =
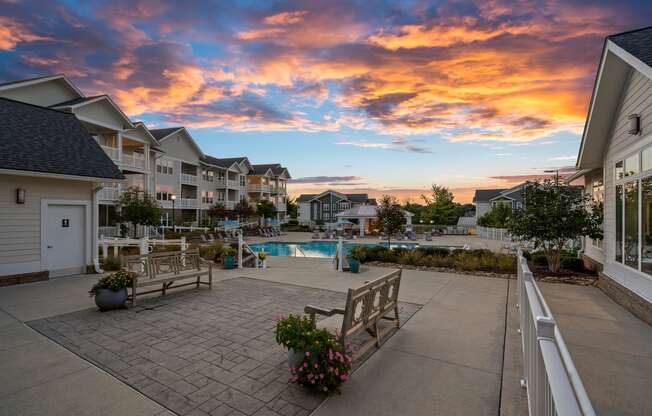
(146, 245)
(112, 231)
(109, 193)
(281, 206)
(221, 182)
(553, 384)
(188, 179)
(187, 203)
(488, 233)
(112, 152)
(233, 183)
(136, 160)
(258, 187)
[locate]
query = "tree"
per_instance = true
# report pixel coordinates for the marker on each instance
(440, 208)
(390, 216)
(416, 209)
(498, 217)
(243, 209)
(139, 208)
(218, 211)
(265, 209)
(552, 214)
(292, 207)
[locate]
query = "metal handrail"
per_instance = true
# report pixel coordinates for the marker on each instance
(553, 384)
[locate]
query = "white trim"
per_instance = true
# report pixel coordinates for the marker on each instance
(56, 176)
(88, 219)
(630, 59)
(97, 99)
(41, 80)
(99, 123)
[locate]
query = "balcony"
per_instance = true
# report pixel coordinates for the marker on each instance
(187, 203)
(134, 160)
(109, 194)
(188, 179)
(111, 152)
(233, 183)
(281, 206)
(258, 187)
(220, 182)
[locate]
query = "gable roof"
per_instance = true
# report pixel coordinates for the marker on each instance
(260, 170)
(82, 101)
(225, 162)
(485, 195)
(276, 168)
(621, 54)
(357, 198)
(163, 133)
(44, 140)
(37, 80)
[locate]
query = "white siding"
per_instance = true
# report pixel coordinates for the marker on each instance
(44, 94)
(103, 112)
(481, 208)
(304, 212)
(637, 98)
(20, 224)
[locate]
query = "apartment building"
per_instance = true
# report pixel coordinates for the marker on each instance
(324, 207)
(165, 162)
(268, 182)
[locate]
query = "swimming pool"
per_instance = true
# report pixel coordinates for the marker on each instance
(323, 249)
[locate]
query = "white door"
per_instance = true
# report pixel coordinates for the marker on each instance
(65, 239)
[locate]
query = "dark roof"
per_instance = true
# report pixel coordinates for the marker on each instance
(637, 42)
(259, 169)
(482, 195)
(77, 101)
(161, 133)
(276, 168)
(223, 162)
(40, 139)
(358, 198)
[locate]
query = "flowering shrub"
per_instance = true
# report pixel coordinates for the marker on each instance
(114, 281)
(325, 365)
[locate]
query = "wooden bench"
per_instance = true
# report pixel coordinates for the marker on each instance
(365, 306)
(166, 268)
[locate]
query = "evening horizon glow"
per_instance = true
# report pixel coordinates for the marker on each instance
(377, 97)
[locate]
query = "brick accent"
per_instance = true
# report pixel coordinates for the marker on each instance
(629, 300)
(16, 279)
(591, 264)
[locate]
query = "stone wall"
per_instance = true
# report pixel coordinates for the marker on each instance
(626, 298)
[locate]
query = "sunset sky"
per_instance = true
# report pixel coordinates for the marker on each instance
(368, 96)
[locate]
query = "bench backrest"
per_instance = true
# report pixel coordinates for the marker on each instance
(151, 265)
(369, 302)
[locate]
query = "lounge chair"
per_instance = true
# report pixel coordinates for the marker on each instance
(211, 238)
(203, 238)
(428, 237)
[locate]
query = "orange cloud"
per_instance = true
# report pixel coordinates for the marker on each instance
(13, 32)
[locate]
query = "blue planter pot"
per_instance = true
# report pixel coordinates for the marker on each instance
(229, 262)
(106, 299)
(354, 266)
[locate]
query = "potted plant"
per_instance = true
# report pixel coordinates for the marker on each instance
(111, 290)
(354, 258)
(291, 333)
(262, 259)
(229, 257)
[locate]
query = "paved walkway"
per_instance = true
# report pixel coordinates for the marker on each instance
(611, 348)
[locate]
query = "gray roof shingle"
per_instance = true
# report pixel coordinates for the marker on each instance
(39, 139)
(484, 195)
(161, 133)
(637, 42)
(223, 162)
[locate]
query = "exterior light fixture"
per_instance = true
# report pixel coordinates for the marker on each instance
(20, 195)
(634, 124)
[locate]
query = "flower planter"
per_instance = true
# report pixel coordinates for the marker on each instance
(106, 299)
(262, 264)
(354, 266)
(295, 358)
(229, 262)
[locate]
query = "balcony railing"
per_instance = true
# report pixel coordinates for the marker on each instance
(187, 203)
(135, 160)
(188, 179)
(220, 182)
(281, 206)
(112, 152)
(258, 187)
(109, 194)
(233, 183)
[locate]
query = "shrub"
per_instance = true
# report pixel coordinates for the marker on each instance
(435, 251)
(110, 263)
(539, 259)
(572, 263)
(211, 252)
(114, 281)
(291, 332)
(231, 252)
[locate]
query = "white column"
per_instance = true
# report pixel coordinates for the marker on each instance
(340, 254)
(119, 137)
(361, 224)
(146, 154)
(240, 243)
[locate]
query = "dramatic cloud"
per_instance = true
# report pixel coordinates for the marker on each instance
(401, 144)
(340, 180)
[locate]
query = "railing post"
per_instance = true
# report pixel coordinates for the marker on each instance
(240, 250)
(115, 248)
(105, 248)
(340, 245)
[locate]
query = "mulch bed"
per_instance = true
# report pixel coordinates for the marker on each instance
(585, 278)
(440, 269)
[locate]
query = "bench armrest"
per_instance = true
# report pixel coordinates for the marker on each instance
(317, 310)
(207, 263)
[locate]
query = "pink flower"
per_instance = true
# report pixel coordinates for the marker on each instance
(321, 375)
(344, 377)
(305, 365)
(316, 366)
(337, 371)
(307, 353)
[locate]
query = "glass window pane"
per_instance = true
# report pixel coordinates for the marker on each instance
(631, 224)
(647, 158)
(646, 225)
(631, 165)
(619, 223)
(619, 170)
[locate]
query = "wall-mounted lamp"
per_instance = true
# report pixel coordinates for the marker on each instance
(634, 124)
(20, 195)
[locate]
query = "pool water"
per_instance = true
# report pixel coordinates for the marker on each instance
(323, 249)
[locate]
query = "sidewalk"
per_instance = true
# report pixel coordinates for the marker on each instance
(611, 348)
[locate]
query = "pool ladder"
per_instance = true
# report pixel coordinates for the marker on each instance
(300, 251)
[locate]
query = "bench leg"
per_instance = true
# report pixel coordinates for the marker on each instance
(396, 320)
(163, 289)
(198, 281)
(133, 293)
(210, 279)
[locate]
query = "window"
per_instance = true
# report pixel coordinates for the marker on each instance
(631, 165)
(596, 189)
(646, 161)
(327, 215)
(220, 196)
(166, 219)
(220, 176)
(631, 224)
(326, 207)
(619, 223)
(207, 175)
(163, 193)
(619, 172)
(164, 166)
(243, 180)
(207, 197)
(646, 225)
